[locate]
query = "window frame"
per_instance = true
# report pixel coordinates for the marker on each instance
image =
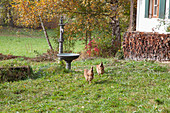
(153, 9)
(161, 9)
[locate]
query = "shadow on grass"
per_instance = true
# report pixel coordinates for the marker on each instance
(104, 82)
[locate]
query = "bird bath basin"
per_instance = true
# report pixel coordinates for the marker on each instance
(68, 57)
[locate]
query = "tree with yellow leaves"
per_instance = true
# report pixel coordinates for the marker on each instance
(83, 16)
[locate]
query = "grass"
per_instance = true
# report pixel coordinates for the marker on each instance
(127, 86)
(23, 41)
(25, 32)
(27, 42)
(21, 46)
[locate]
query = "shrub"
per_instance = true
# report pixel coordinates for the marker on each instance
(120, 54)
(168, 29)
(15, 73)
(92, 48)
(15, 70)
(101, 47)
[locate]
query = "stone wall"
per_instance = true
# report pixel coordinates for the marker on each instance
(146, 45)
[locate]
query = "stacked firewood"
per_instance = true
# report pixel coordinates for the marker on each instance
(144, 45)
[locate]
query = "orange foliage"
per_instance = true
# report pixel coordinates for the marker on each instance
(82, 16)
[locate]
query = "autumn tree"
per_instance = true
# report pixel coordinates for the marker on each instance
(84, 17)
(32, 13)
(7, 12)
(116, 36)
(95, 15)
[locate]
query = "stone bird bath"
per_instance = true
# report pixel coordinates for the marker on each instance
(68, 57)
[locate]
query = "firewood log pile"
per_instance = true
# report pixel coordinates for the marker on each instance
(144, 45)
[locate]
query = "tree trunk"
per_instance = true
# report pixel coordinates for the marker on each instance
(116, 36)
(131, 15)
(45, 33)
(11, 22)
(90, 36)
(134, 15)
(86, 38)
(89, 32)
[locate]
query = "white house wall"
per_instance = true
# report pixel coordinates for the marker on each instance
(149, 24)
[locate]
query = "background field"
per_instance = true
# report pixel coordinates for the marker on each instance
(24, 42)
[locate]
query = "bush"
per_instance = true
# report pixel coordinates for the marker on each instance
(168, 29)
(120, 54)
(15, 70)
(102, 47)
(15, 73)
(92, 48)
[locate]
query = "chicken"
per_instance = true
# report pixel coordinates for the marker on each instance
(100, 68)
(88, 74)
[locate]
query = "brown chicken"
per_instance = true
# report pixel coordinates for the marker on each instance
(88, 74)
(100, 68)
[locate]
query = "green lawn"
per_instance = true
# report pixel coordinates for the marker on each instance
(126, 86)
(21, 46)
(25, 32)
(24, 42)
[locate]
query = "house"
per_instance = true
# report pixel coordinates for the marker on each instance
(153, 16)
(151, 40)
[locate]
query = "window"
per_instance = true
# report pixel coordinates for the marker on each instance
(155, 8)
